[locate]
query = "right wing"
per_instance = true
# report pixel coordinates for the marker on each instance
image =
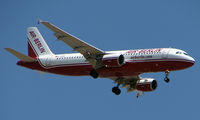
(91, 53)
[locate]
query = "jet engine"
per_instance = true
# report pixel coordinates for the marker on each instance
(146, 84)
(113, 60)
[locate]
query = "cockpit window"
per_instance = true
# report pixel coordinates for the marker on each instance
(178, 52)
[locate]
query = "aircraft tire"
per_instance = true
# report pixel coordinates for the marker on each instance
(167, 80)
(116, 90)
(94, 74)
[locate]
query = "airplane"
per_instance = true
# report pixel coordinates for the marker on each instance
(124, 67)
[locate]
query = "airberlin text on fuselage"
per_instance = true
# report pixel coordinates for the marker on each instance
(138, 54)
(145, 51)
(37, 42)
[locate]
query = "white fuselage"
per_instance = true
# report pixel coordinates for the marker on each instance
(133, 55)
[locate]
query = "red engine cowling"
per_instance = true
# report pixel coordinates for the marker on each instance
(113, 60)
(146, 84)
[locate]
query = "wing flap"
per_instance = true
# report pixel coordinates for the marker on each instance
(20, 55)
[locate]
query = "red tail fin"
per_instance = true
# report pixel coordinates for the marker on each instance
(31, 53)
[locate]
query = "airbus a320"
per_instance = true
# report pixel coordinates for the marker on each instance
(124, 67)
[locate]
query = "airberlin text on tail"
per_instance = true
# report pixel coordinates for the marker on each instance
(36, 43)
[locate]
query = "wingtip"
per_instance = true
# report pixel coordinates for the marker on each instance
(40, 21)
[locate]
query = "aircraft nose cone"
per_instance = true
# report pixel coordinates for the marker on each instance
(191, 61)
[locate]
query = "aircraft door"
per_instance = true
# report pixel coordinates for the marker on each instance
(165, 53)
(49, 61)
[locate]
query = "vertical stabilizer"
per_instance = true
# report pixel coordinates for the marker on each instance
(36, 43)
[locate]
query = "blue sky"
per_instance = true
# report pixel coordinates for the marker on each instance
(108, 25)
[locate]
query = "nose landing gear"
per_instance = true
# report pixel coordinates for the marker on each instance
(166, 79)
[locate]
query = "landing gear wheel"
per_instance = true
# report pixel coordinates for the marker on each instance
(94, 74)
(116, 90)
(166, 79)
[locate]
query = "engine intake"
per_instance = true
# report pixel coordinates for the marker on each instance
(113, 60)
(146, 84)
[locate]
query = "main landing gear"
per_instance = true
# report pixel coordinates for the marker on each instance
(116, 90)
(94, 74)
(166, 79)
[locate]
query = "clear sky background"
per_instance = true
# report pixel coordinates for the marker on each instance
(108, 25)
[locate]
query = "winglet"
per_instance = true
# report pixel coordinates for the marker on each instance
(40, 21)
(20, 55)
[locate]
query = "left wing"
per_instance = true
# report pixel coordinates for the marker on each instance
(127, 82)
(91, 53)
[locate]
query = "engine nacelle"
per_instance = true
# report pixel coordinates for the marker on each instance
(113, 60)
(146, 84)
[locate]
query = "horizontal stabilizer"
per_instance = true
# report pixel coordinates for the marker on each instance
(20, 55)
